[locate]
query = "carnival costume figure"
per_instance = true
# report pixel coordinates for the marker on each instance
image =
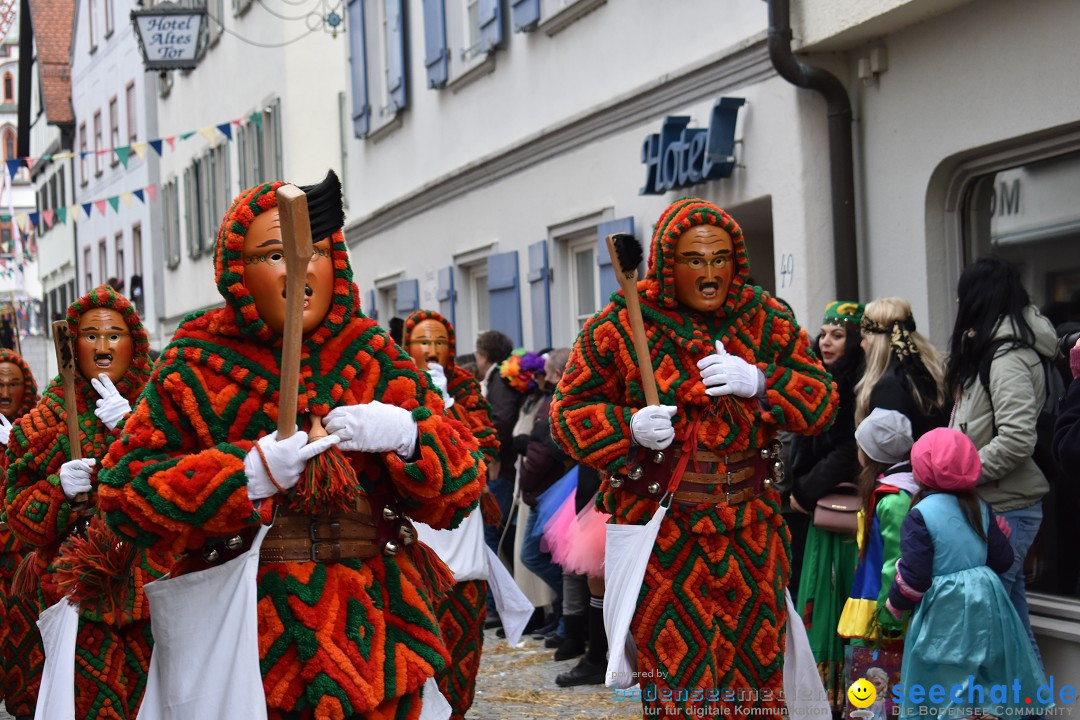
(346, 597)
(20, 643)
(732, 368)
(52, 506)
(429, 339)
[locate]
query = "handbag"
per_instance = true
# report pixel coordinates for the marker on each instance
(838, 511)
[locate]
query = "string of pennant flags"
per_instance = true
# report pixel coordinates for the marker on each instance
(138, 149)
(48, 218)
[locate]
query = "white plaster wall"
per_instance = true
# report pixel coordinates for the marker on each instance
(95, 78)
(233, 80)
(942, 100)
(538, 82)
(782, 158)
(821, 25)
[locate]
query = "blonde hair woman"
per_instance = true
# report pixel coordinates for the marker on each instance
(904, 372)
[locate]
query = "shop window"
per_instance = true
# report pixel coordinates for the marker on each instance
(1028, 214)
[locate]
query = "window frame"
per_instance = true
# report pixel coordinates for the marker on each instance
(9, 79)
(84, 168)
(132, 113)
(90, 8)
(98, 140)
(114, 129)
(88, 270)
(118, 255)
(109, 19)
(103, 260)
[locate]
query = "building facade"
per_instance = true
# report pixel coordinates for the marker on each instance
(114, 167)
(494, 144)
(276, 113)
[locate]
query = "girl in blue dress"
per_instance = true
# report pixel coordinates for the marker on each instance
(965, 637)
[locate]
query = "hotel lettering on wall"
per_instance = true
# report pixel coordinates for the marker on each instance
(679, 156)
(171, 37)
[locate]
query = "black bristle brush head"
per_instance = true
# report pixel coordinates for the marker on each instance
(325, 209)
(397, 329)
(628, 251)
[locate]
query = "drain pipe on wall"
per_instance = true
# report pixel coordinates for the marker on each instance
(841, 170)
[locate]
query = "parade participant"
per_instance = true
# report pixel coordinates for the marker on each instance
(346, 621)
(44, 511)
(429, 339)
(732, 368)
(20, 643)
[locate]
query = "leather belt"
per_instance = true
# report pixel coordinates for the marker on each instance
(711, 478)
(296, 537)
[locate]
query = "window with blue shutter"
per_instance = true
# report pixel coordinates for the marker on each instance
(446, 294)
(540, 294)
(608, 283)
(361, 111)
(371, 309)
(526, 14)
(395, 55)
(491, 34)
(408, 297)
(436, 54)
(504, 295)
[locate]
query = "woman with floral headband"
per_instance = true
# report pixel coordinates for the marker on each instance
(904, 372)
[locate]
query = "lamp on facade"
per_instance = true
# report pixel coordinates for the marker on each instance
(171, 37)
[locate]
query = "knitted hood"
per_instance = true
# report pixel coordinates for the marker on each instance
(229, 270)
(103, 296)
(30, 390)
(680, 216)
(421, 315)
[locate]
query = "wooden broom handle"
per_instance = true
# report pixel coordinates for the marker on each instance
(627, 280)
(297, 247)
(65, 361)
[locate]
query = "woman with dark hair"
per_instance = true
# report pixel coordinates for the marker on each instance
(996, 376)
(824, 572)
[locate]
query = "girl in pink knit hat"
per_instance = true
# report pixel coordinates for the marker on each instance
(965, 636)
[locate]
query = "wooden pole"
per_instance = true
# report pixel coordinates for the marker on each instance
(627, 279)
(297, 247)
(65, 361)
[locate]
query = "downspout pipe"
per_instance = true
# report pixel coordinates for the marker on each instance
(26, 69)
(841, 166)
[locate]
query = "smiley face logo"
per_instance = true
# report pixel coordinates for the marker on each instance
(862, 693)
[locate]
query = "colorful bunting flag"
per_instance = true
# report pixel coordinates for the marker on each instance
(13, 166)
(87, 208)
(139, 194)
(125, 198)
(62, 214)
(156, 144)
(115, 202)
(226, 130)
(123, 153)
(100, 205)
(208, 133)
(49, 216)
(151, 190)
(172, 142)
(139, 149)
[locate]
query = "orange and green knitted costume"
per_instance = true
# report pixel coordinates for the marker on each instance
(336, 640)
(13, 684)
(463, 609)
(711, 612)
(113, 646)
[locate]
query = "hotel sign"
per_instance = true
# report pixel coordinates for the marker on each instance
(679, 156)
(170, 37)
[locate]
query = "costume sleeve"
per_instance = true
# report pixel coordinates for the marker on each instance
(914, 569)
(477, 413)
(837, 466)
(1000, 554)
(1016, 407)
(173, 480)
(800, 396)
(441, 483)
(38, 511)
(891, 511)
(1067, 429)
(589, 417)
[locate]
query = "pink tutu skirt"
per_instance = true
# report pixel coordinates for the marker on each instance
(576, 540)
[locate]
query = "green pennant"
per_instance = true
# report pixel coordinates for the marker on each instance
(256, 117)
(185, 136)
(115, 202)
(62, 214)
(123, 153)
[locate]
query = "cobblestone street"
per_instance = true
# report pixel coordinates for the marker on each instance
(519, 684)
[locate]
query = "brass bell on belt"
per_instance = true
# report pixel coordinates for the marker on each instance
(211, 555)
(658, 457)
(616, 481)
(636, 472)
(654, 488)
(234, 542)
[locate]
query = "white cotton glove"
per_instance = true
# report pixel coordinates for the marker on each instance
(438, 378)
(5, 430)
(725, 374)
(373, 427)
(651, 426)
(111, 406)
(285, 459)
(75, 476)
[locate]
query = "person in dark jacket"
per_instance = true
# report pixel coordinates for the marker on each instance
(819, 464)
(492, 347)
(1067, 453)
